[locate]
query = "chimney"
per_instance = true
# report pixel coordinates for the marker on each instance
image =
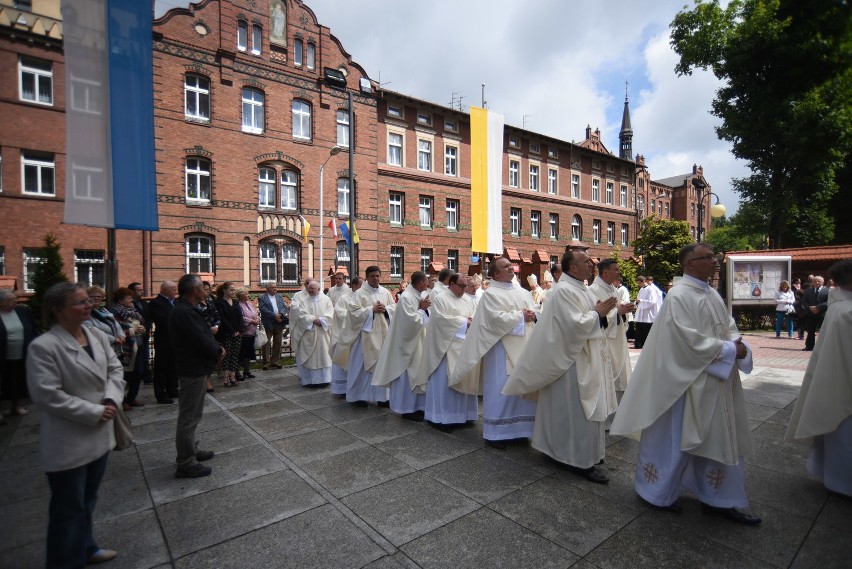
(588, 132)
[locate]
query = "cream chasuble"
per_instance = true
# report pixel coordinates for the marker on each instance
(615, 334)
(335, 293)
(361, 316)
(404, 344)
(446, 316)
(311, 343)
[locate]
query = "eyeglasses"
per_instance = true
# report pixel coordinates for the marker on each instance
(703, 257)
(84, 302)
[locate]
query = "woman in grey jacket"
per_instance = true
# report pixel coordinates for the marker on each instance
(75, 378)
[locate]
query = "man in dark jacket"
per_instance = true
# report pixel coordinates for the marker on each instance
(198, 353)
(165, 378)
(815, 301)
(143, 358)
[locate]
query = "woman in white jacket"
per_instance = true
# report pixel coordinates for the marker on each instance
(785, 298)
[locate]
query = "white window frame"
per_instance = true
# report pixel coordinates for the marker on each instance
(342, 253)
(268, 258)
(596, 231)
(396, 152)
(514, 142)
(45, 170)
(610, 191)
(426, 256)
(453, 259)
(86, 95)
(196, 257)
(535, 224)
(610, 233)
(290, 263)
(451, 126)
(31, 257)
(535, 148)
(253, 101)
(596, 190)
(424, 119)
(85, 263)
(395, 208)
(311, 55)
(395, 111)
(200, 174)
(668, 211)
(554, 225)
(266, 182)
(200, 94)
(623, 196)
(256, 39)
(302, 113)
(342, 120)
(514, 173)
(453, 215)
(575, 185)
(535, 171)
(29, 66)
(552, 181)
(343, 196)
(2, 260)
(425, 210)
(424, 155)
(289, 190)
(242, 35)
(87, 182)
(397, 256)
(451, 159)
(576, 227)
(624, 231)
(515, 221)
(553, 152)
(298, 51)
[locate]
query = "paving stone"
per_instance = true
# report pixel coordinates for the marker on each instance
(470, 434)
(425, 448)
(409, 507)
(24, 435)
(267, 410)
(356, 470)
(219, 515)
(340, 414)
(288, 425)
(121, 464)
(319, 399)
(165, 430)
(30, 556)
(156, 412)
(823, 549)
(381, 428)
(243, 397)
(136, 537)
(318, 445)
(781, 417)
(627, 450)
(386, 562)
(319, 538)
(163, 453)
(621, 487)
(483, 476)
(769, 394)
(760, 412)
(20, 456)
(522, 453)
(785, 492)
(25, 483)
(122, 496)
(837, 512)
(484, 538)
(772, 452)
(30, 522)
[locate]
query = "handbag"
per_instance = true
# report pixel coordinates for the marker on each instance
(123, 430)
(260, 339)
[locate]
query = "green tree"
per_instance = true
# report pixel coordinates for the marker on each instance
(659, 243)
(629, 270)
(742, 232)
(47, 273)
(785, 103)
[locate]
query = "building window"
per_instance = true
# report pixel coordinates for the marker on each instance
(266, 187)
(298, 52)
(343, 196)
(289, 189)
(89, 268)
(38, 175)
(290, 264)
(609, 192)
(534, 177)
(425, 259)
(653, 206)
(692, 230)
(575, 186)
(596, 230)
(32, 259)
(397, 254)
(576, 227)
(554, 260)
(596, 190)
(36, 81)
(515, 221)
(425, 211)
(196, 96)
(553, 153)
(252, 111)
(660, 207)
(451, 126)
(554, 226)
(534, 148)
(453, 259)
(394, 149)
(2, 261)
(395, 205)
(424, 118)
(691, 207)
(242, 35)
(268, 262)
(514, 173)
(301, 120)
(610, 232)
(535, 224)
(342, 255)
(312, 56)
(667, 209)
(624, 234)
(552, 181)
(514, 142)
(256, 39)
(452, 215)
(343, 128)
(623, 196)
(199, 254)
(451, 155)
(394, 111)
(197, 180)
(424, 155)
(642, 204)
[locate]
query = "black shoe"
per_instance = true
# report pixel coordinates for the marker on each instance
(591, 474)
(248, 375)
(732, 514)
(673, 508)
(203, 455)
(444, 428)
(415, 416)
(165, 400)
(194, 470)
(360, 403)
(807, 349)
(383, 403)
(499, 445)
(238, 376)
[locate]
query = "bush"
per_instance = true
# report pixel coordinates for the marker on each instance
(755, 317)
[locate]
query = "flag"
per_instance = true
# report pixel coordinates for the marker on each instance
(333, 227)
(110, 176)
(355, 233)
(306, 227)
(344, 230)
(486, 188)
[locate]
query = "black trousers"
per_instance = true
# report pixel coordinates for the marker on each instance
(642, 329)
(812, 322)
(165, 373)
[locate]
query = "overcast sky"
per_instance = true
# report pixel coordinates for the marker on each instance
(562, 63)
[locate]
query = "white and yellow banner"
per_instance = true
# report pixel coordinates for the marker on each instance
(486, 196)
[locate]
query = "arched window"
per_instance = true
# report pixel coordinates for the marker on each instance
(199, 254)
(311, 56)
(576, 227)
(242, 35)
(301, 119)
(256, 39)
(252, 111)
(266, 187)
(289, 189)
(290, 263)
(197, 180)
(298, 49)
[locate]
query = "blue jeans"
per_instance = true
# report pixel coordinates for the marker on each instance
(73, 495)
(779, 323)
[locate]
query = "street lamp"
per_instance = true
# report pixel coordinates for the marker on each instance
(334, 151)
(716, 210)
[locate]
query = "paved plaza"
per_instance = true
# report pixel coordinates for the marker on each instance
(301, 479)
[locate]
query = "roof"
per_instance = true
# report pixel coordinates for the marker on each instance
(823, 253)
(512, 254)
(674, 181)
(33, 23)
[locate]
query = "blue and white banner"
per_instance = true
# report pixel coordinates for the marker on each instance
(110, 177)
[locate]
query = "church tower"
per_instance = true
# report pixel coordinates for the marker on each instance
(625, 137)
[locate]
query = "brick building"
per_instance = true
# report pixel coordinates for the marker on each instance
(251, 103)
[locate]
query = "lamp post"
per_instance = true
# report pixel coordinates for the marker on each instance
(716, 210)
(334, 151)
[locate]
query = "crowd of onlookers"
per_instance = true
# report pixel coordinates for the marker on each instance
(802, 306)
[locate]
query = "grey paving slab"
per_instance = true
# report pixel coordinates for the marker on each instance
(266, 410)
(318, 445)
(381, 428)
(340, 414)
(163, 430)
(228, 468)
(319, 538)
(621, 488)
(409, 507)
(136, 537)
(470, 434)
(626, 449)
(484, 538)
(153, 413)
(242, 397)
(30, 556)
(26, 483)
(216, 516)
(566, 515)
(760, 412)
(20, 456)
(357, 470)
(522, 453)
(25, 435)
(837, 513)
(31, 418)
(122, 463)
(823, 549)
(30, 522)
(483, 476)
(769, 394)
(319, 399)
(425, 448)
(122, 496)
(772, 452)
(651, 543)
(785, 492)
(291, 425)
(781, 417)
(163, 453)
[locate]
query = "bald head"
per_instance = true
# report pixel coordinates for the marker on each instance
(169, 289)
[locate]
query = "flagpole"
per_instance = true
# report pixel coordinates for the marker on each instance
(352, 265)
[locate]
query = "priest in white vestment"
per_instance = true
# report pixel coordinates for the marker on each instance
(536, 291)
(310, 335)
(339, 288)
(364, 332)
(450, 317)
(340, 352)
(399, 361)
(686, 399)
(822, 417)
(603, 287)
(648, 304)
(567, 364)
(496, 338)
(471, 291)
